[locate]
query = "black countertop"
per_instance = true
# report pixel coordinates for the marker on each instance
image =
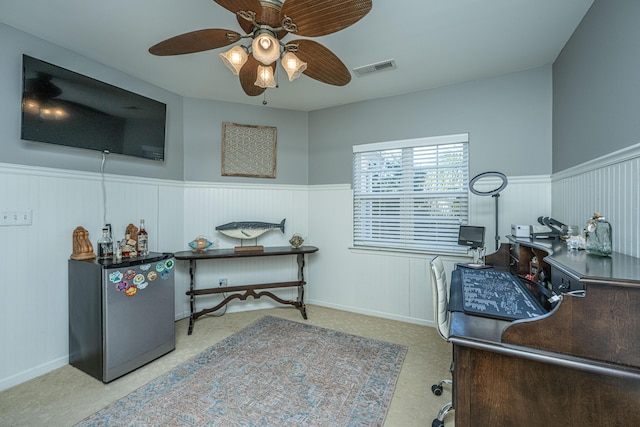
(586, 267)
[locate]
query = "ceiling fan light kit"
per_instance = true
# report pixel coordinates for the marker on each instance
(266, 48)
(235, 58)
(292, 65)
(267, 22)
(265, 77)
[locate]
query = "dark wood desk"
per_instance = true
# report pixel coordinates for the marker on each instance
(578, 365)
(249, 290)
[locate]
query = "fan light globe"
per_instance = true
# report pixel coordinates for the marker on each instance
(292, 65)
(234, 58)
(266, 48)
(265, 77)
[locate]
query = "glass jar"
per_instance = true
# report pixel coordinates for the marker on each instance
(597, 235)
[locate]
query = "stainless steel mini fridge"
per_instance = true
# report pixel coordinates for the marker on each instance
(121, 315)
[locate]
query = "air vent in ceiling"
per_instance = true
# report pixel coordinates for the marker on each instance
(389, 64)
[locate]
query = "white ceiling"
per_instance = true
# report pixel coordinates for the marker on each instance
(434, 43)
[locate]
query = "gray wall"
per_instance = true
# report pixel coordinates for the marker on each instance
(203, 140)
(13, 44)
(194, 127)
(508, 119)
(596, 85)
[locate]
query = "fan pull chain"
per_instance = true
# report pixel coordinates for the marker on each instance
(264, 94)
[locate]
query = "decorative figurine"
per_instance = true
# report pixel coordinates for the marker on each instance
(132, 230)
(248, 230)
(82, 247)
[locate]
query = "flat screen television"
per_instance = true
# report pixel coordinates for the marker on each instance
(471, 236)
(63, 107)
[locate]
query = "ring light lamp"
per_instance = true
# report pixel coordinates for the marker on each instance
(493, 193)
(486, 175)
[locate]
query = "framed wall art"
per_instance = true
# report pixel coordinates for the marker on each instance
(248, 150)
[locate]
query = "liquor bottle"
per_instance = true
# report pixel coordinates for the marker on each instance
(143, 240)
(105, 246)
(125, 248)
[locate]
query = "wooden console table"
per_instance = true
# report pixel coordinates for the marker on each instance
(249, 290)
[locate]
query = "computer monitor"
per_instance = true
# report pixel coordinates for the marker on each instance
(471, 236)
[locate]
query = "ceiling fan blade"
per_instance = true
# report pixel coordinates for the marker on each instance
(320, 17)
(248, 75)
(234, 6)
(267, 14)
(322, 64)
(195, 41)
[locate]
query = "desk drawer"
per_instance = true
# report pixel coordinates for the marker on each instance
(563, 282)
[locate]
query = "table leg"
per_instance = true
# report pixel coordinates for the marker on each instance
(192, 297)
(300, 301)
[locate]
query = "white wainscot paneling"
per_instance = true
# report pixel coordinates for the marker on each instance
(34, 258)
(209, 205)
(384, 284)
(34, 295)
(523, 200)
(34, 298)
(609, 185)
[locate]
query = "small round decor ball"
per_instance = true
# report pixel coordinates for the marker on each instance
(296, 241)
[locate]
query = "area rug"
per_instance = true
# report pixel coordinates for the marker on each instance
(274, 372)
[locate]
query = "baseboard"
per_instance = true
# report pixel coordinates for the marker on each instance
(373, 313)
(32, 373)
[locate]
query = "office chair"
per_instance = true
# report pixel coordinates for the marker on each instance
(440, 292)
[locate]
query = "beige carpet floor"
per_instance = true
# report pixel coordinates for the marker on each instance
(65, 396)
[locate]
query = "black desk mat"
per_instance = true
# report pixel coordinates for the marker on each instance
(491, 293)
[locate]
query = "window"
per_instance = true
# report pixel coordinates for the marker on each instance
(411, 194)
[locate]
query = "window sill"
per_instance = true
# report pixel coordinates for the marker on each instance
(408, 252)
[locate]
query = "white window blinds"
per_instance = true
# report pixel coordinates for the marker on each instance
(411, 194)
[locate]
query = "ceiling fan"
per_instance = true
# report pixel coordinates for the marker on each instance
(267, 22)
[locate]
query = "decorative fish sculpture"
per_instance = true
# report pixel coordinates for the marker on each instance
(248, 229)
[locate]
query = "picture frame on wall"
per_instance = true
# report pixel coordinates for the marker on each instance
(248, 150)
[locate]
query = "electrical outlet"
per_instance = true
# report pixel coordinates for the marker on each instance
(15, 217)
(222, 282)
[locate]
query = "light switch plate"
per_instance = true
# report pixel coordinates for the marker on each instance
(15, 217)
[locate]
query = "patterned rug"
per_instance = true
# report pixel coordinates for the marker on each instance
(274, 372)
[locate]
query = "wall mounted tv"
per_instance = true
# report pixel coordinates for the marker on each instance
(63, 107)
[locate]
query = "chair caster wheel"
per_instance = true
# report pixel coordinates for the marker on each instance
(437, 423)
(436, 389)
